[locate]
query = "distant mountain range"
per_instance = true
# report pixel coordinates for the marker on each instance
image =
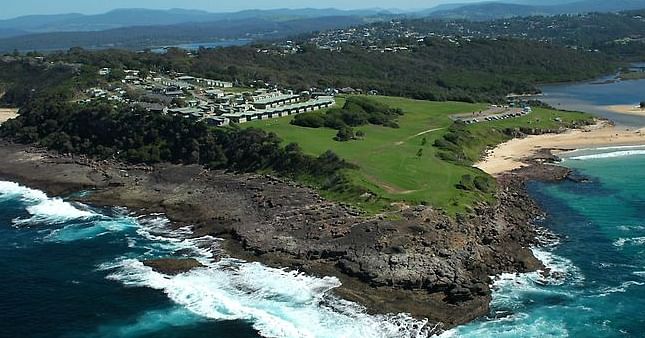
(499, 10)
(141, 37)
(143, 28)
(146, 17)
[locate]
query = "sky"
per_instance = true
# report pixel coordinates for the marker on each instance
(12, 8)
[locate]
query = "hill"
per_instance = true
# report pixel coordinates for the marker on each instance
(396, 164)
(141, 37)
(497, 10)
(120, 18)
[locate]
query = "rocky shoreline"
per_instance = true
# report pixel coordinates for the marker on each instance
(417, 261)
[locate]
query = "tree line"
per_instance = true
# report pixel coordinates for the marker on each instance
(357, 111)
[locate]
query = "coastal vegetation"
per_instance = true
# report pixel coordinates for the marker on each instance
(404, 164)
(356, 111)
(394, 154)
(471, 71)
(438, 70)
(106, 131)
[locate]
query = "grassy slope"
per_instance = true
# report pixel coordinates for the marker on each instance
(387, 158)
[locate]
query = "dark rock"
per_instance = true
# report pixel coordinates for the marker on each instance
(173, 266)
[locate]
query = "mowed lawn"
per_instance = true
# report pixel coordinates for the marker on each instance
(387, 157)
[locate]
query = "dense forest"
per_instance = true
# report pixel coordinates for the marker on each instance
(476, 71)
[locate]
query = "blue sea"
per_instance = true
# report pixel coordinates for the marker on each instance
(597, 285)
(71, 270)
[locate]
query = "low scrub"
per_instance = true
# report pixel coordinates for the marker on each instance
(357, 111)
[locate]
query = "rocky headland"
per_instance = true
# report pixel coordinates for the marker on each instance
(416, 260)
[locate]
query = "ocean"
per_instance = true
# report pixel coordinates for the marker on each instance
(597, 288)
(71, 270)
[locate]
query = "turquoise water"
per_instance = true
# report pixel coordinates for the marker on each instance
(595, 96)
(69, 270)
(598, 289)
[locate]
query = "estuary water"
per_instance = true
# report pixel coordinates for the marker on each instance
(69, 270)
(597, 285)
(595, 97)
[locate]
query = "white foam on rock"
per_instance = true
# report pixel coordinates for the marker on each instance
(278, 303)
(510, 293)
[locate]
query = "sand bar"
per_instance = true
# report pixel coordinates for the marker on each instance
(509, 155)
(627, 109)
(7, 113)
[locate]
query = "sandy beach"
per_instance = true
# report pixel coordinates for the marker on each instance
(7, 113)
(627, 109)
(510, 155)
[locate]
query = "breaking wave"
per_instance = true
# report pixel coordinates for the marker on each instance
(43, 209)
(510, 316)
(612, 154)
(278, 302)
(636, 241)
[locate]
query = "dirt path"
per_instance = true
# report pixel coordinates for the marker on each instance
(419, 134)
(388, 187)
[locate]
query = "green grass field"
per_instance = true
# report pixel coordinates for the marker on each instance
(387, 158)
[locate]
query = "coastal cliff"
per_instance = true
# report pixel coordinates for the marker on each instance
(416, 260)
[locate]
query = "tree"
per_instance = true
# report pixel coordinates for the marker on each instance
(642, 104)
(420, 153)
(424, 141)
(344, 134)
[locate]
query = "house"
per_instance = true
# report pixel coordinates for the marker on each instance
(104, 71)
(274, 99)
(174, 93)
(285, 110)
(186, 112)
(223, 84)
(214, 93)
(153, 107)
(186, 78)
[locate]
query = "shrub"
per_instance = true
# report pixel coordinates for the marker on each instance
(309, 120)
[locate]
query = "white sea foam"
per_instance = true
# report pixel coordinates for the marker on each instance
(42, 208)
(87, 230)
(612, 154)
(510, 294)
(147, 324)
(279, 303)
(635, 241)
(612, 148)
(622, 288)
(631, 228)
(511, 329)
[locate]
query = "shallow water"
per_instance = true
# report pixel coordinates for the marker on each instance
(74, 271)
(599, 287)
(594, 97)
